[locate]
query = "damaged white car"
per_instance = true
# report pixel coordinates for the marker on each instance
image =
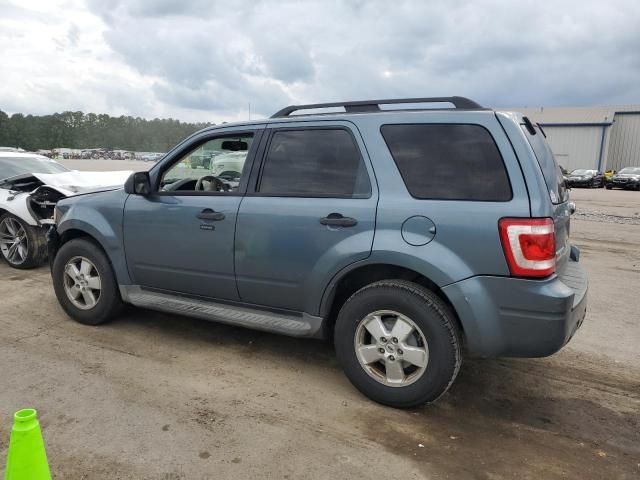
(30, 187)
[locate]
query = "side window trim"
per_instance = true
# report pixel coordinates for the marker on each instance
(178, 156)
(263, 150)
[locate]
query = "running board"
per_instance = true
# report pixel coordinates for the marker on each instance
(301, 325)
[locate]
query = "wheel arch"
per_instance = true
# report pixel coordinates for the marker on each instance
(76, 231)
(354, 279)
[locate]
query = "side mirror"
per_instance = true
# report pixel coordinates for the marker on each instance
(572, 208)
(138, 183)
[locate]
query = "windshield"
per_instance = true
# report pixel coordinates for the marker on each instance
(582, 171)
(630, 171)
(550, 169)
(13, 166)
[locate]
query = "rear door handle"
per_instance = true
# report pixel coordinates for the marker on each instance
(208, 214)
(337, 220)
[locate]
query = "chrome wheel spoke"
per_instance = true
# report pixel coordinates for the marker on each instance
(11, 255)
(89, 297)
(22, 251)
(401, 330)
(93, 283)
(72, 271)
(369, 354)
(414, 355)
(375, 327)
(394, 371)
(85, 267)
(10, 227)
(74, 291)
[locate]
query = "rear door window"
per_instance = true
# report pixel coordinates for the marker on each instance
(550, 168)
(448, 162)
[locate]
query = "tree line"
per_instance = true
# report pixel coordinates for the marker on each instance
(91, 130)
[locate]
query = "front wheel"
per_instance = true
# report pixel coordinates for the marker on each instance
(84, 282)
(21, 245)
(398, 343)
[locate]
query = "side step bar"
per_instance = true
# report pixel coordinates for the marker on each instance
(294, 325)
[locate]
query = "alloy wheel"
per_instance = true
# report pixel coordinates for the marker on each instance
(391, 348)
(14, 242)
(82, 283)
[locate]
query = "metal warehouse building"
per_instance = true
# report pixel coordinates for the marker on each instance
(602, 138)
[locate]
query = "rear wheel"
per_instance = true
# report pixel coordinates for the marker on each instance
(398, 343)
(21, 245)
(84, 282)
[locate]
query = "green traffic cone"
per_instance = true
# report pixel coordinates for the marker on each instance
(26, 459)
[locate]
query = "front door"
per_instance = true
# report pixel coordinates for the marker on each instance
(181, 237)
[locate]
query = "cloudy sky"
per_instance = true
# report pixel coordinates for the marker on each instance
(206, 60)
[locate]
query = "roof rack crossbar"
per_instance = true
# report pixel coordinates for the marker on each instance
(374, 105)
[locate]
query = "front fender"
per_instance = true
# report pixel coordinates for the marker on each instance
(100, 217)
(17, 204)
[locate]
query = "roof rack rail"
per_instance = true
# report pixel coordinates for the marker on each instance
(363, 106)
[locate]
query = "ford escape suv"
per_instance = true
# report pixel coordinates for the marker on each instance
(409, 235)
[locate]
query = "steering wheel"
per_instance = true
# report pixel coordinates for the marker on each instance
(215, 184)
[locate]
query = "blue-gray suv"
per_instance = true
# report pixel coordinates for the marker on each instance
(410, 235)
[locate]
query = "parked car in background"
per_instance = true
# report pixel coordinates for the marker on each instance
(30, 186)
(403, 235)
(585, 178)
(628, 177)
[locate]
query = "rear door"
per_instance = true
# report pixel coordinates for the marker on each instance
(311, 212)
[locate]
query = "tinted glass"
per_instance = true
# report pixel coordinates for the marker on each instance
(550, 169)
(448, 162)
(13, 166)
(320, 162)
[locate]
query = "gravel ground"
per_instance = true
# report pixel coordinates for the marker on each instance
(155, 396)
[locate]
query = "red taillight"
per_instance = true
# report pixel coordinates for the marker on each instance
(529, 245)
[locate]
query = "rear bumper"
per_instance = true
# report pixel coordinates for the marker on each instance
(513, 317)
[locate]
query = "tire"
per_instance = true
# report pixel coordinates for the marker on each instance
(608, 187)
(33, 243)
(107, 298)
(429, 315)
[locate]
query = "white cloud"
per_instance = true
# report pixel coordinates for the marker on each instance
(206, 60)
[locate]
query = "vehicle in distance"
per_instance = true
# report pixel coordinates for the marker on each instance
(404, 235)
(585, 178)
(627, 178)
(30, 186)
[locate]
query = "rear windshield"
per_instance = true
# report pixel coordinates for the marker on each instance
(550, 169)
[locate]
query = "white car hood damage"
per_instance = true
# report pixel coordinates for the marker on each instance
(74, 183)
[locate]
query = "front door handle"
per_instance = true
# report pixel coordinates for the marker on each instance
(337, 220)
(208, 214)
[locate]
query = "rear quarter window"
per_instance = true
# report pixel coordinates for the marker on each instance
(448, 162)
(550, 169)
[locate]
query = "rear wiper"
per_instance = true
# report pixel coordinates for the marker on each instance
(527, 123)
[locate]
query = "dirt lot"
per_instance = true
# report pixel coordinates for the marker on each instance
(163, 397)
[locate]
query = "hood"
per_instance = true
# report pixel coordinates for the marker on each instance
(74, 183)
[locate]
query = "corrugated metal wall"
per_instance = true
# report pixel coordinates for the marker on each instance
(575, 147)
(624, 144)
